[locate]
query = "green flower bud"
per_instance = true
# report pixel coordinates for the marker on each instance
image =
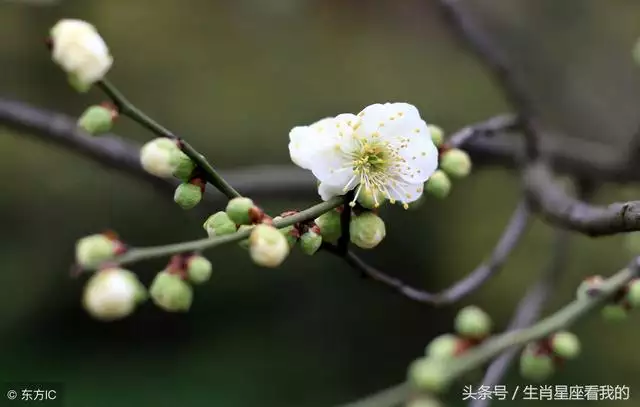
(93, 250)
(329, 224)
(171, 293)
(96, 120)
(588, 286)
(310, 242)
(565, 344)
(238, 210)
(113, 294)
(614, 313)
(633, 293)
(182, 165)
(429, 374)
(367, 230)
(535, 366)
(456, 163)
(424, 401)
(438, 184)
(472, 322)
(219, 224)
(437, 135)
(291, 234)
(268, 247)
(370, 199)
(443, 347)
(187, 195)
(198, 269)
(245, 242)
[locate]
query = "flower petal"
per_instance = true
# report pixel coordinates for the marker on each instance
(327, 191)
(405, 192)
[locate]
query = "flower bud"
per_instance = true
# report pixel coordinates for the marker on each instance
(157, 157)
(96, 119)
(367, 230)
(329, 224)
(291, 234)
(534, 365)
(310, 242)
(219, 224)
(588, 287)
(370, 199)
(437, 135)
(93, 250)
(429, 374)
(472, 322)
(112, 294)
(443, 347)
(565, 345)
(188, 195)
(238, 210)
(198, 269)
(182, 165)
(170, 292)
(456, 163)
(268, 247)
(424, 401)
(633, 293)
(438, 184)
(614, 313)
(245, 242)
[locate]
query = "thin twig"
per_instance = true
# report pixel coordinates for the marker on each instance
(126, 108)
(481, 45)
(476, 357)
(497, 124)
(345, 224)
(508, 241)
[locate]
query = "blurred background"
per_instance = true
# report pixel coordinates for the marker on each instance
(233, 78)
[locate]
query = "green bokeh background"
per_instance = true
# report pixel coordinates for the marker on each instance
(233, 77)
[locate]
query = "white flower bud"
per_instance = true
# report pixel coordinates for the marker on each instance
(156, 157)
(367, 230)
(268, 247)
(97, 119)
(81, 52)
(113, 294)
(93, 250)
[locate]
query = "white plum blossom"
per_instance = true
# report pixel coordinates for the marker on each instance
(386, 148)
(80, 50)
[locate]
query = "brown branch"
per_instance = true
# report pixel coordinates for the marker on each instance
(480, 44)
(508, 241)
(560, 209)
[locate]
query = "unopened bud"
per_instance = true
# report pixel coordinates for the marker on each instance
(534, 365)
(370, 199)
(329, 224)
(268, 247)
(589, 287)
(93, 250)
(188, 195)
(291, 234)
(472, 322)
(424, 401)
(443, 346)
(437, 135)
(565, 344)
(96, 119)
(112, 294)
(161, 157)
(429, 374)
(456, 163)
(238, 210)
(310, 242)
(170, 292)
(219, 224)
(367, 230)
(614, 313)
(633, 293)
(198, 269)
(182, 165)
(438, 184)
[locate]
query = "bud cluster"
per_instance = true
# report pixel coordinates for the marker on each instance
(540, 359)
(453, 163)
(622, 302)
(472, 327)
